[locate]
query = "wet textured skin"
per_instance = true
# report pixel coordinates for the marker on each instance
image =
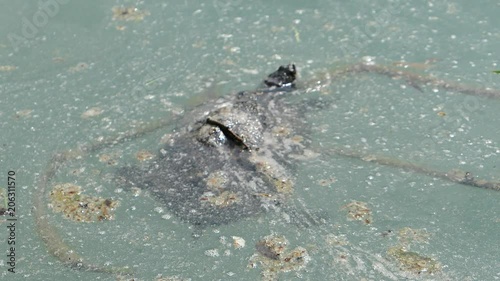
(235, 148)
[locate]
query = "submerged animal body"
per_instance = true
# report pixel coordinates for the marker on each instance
(229, 159)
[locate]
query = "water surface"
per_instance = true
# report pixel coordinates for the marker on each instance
(60, 61)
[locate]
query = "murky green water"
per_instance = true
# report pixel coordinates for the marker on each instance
(58, 59)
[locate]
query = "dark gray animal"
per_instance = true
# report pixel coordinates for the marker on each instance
(230, 158)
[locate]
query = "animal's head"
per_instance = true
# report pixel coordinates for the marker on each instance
(284, 77)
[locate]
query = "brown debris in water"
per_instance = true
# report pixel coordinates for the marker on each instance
(128, 13)
(144, 155)
(411, 261)
(327, 182)
(67, 198)
(357, 210)
(273, 256)
(109, 158)
(281, 131)
(24, 113)
(92, 112)
(441, 113)
(408, 235)
(224, 199)
(7, 68)
(297, 139)
(216, 180)
(81, 66)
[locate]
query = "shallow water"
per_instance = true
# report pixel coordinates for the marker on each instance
(62, 61)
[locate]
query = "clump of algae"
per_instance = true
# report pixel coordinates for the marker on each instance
(273, 256)
(409, 260)
(412, 261)
(68, 199)
(357, 210)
